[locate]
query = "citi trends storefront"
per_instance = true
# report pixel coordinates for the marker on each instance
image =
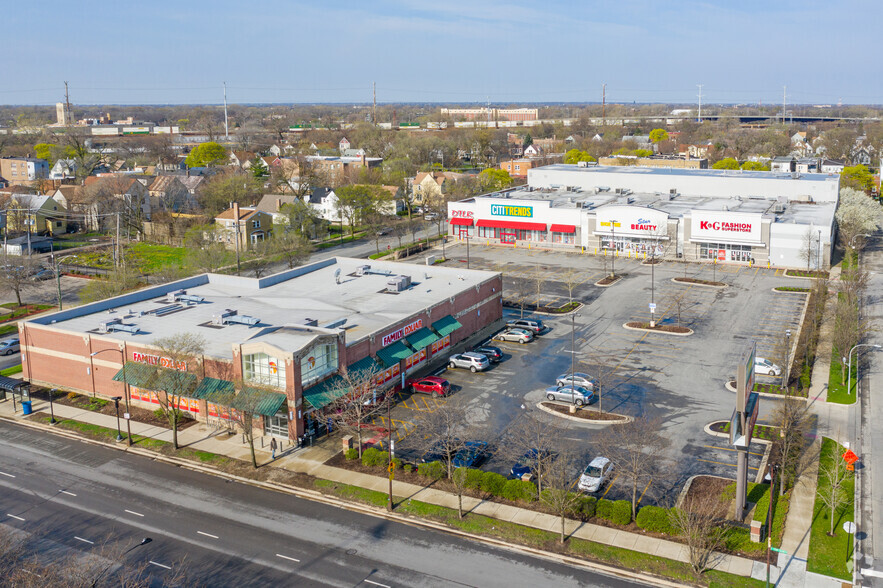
(515, 222)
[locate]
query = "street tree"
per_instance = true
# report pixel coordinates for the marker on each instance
(356, 403)
(217, 192)
(521, 291)
(446, 427)
(571, 278)
(857, 177)
(637, 450)
(808, 246)
(657, 135)
(700, 523)
(534, 443)
(303, 219)
(244, 402)
(260, 257)
(726, 163)
(857, 214)
(17, 273)
(559, 481)
(792, 418)
(205, 251)
(538, 280)
(833, 477)
(603, 368)
(207, 155)
(849, 328)
(114, 283)
(182, 351)
(494, 179)
(355, 202)
(292, 247)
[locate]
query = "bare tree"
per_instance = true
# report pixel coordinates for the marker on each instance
(700, 523)
(521, 292)
(180, 352)
(292, 247)
(637, 450)
(260, 257)
(849, 328)
(833, 476)
(448, 426)
(17, 273)
(571, 278)
(559, 480)
(458, 480)
(538, 279)
(356, 405)
(792, 418)
(603, 368)
(244, 405)
(112, 284)
(808, 247)
(533, 442)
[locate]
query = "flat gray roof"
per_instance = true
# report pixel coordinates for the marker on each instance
(358, 304)
(707, 173)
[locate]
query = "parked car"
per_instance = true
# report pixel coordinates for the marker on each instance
(436, 451)
(595, 475)
(474, 362)
(383, 232)
(9, 347)
(527, 461)
(578, 378)
(517, 335)
(430, 385)
(765, 366)
(471, 455)
(535, 326)
(43, 274)
(578, 395)
(431, 216)
(494, 354)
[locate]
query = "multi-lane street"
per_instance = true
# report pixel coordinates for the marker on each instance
(224, 533)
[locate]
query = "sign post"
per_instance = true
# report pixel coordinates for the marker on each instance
(742, 424)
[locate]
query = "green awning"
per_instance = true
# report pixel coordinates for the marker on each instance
(445, 326)
(393, 354)
(364, 367)
(140, 375)
(258, 401)
(215, 391)
(174, 382)
(326, 392)
(422, 339)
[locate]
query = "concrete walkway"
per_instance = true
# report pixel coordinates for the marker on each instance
(310, 461)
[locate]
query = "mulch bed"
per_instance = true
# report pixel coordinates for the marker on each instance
(659, 327)
(805, 274)
(698, 281)
(703, 487)
(764, 432)
(583, 413)
(140, 415)
(607, 280)
(777, 390)
(791, 289)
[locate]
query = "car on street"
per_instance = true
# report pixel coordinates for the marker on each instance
(578, 395)
(430, 385)
(516, 335)
(578, 379)
(383, 232)
(528, 461)
(766, 367)
(9, 347)
(474, 362)
(596, 474)
(494, 354)
(431, 216)
(535, 326)
(471, 455)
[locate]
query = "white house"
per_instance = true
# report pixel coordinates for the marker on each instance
(64, 169)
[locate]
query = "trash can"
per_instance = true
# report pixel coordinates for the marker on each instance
(26, 407)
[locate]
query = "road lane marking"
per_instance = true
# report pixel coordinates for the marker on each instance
(160, 565)
(68, 493)
(7, 475)
(377, 584)
(286, 557)
(208, 535)
(84, 540)
(15, 517)
(137, 514)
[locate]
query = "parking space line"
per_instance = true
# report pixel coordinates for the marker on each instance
(645, 490)
(731, 449)
(610, 485)
(732, 465)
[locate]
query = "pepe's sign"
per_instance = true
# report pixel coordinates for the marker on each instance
(163, 362)
(403, 332)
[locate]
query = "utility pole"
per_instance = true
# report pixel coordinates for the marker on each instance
(784, 96)
(374, 110)
(700, 103)
(603, 104)
(226, 126)
(488, 112)
(67, 105)
(116, 249)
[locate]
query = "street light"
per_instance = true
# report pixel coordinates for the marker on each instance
(849, 360)
(116, 403)
(125, 391)
(819, 257)
(785, 369)
(572, 361)
(52, 420)
(613, 244)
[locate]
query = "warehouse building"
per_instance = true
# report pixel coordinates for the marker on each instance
(767, 218)
(293, 334)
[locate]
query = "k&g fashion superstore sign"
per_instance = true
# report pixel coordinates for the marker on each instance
(726, 226)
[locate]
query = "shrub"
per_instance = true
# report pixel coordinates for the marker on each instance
(72, 395)
(408, 468)
(351, 453)
(396, 463)
(434, 470)
(158, 413)
(473, 478)
(519, 490)
(585, 506)
(492, 483)
(655, 519)
(373, 457)
(618, 512)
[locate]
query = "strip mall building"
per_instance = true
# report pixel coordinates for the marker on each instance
(295, 332)
(711, 215)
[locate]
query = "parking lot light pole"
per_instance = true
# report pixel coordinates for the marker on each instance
(785, 370)
(125, 391)
(849, 360)
(52, 420)
(573, 361)
(116, 403)
(613, 245)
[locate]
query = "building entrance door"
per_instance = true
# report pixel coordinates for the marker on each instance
(276, 425)
(464, 232)
(507, 236)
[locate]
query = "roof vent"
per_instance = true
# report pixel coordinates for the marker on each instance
(229, 316)
(398, 283)
(307, 322)
(362, 270)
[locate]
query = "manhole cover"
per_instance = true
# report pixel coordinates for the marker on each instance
(350, 551)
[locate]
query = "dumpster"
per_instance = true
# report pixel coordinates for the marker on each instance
(26, 407)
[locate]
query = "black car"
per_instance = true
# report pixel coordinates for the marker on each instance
(527, 461)
(471, 455)
(494, 354)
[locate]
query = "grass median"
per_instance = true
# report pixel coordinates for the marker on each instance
(829, 554)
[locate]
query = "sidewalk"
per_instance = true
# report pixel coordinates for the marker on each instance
(310, 461)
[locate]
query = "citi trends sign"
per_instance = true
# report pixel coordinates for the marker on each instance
(403, 332)
(726, 226)
(506, 210)
(163, 362)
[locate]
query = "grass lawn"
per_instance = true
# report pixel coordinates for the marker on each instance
(836, 385)
(759, 494)
(16, 369)
(828, 555)
(151, 258)
(22, 311)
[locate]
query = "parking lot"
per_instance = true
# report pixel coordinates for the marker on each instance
(677, 379)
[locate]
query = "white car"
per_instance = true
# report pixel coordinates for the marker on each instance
(595, 475)
(766, 367)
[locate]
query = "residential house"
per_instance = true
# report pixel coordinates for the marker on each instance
(105, 196)
(396, 203)
(808, 165)
(831, 166)
(862, 155)
(335, 170)
(799, 145)
(241, 159)
(171, 163)
(598, 137)
(428, 184)
(168, 193)
(191, 182)
(65, 195)
(547, 145)
(533, 150)
(37, 214)
(23, 171)
(64, 169)
(783, 163)
(640, 141)
(696, 151)
(254, 226)
(353, 152)
(343, 145)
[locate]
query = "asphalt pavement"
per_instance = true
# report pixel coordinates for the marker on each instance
(225, 533)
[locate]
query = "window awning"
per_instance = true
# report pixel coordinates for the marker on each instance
(148, 377)
(215, 391)
(140, 375)
(466, 222)
(393, 354)
(421, 339)
(325, 392)
(563, 228)
(508, 224)
(445, 326)
(258, 401)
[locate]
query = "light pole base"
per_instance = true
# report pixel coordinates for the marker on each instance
(119, 438)
(572, 409)
(52, 421)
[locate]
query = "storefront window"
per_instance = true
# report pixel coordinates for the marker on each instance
(261, 368)
(725, 250)
(319, 361)
(568, 238)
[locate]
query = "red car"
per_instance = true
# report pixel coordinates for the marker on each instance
(430, 385)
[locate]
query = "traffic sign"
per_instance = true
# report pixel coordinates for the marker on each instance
(849, 527)
(850, 457)
(777, 550)
(652, 306)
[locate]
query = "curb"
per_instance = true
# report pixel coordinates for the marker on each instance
(363, 509)
(731, 388)
(628, 328)
(569, 312)
(616, 281)
(785, 275)
(681, 281)
(788, 291)
(708, 430)
(624, 418)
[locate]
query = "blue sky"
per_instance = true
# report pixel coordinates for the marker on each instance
(441, 51)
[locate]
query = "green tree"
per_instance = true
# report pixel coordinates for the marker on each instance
(221, 189)
(528, 140)
(754, 166)
(726, 163)
(493, 179)
(207, 155)
(574, 156)
(643, 152)
(657, 135)
(258, 168)
(857, 177)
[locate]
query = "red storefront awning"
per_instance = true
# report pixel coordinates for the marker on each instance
(563, 228)
(466, 222)
(507, 224)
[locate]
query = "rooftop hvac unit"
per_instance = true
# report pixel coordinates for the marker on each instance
(105, 326)
(626, 191)
(175, 296)
(307, 322)
(125, 328)
(221, 317)
(191, 298)
(241, 319)
(362, 270)
(629, 200)
(398, 283)
(618, 191)
(779, 208)
(582, 164)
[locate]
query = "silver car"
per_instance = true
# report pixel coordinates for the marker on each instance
(517, 335)
(474, 362)
(578, 379)
(9, 347)
(578, 395)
